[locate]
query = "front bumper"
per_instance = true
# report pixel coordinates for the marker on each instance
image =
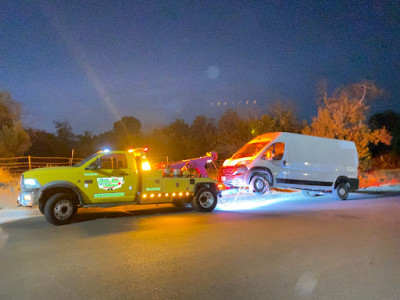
(230, 177)
(28, 198)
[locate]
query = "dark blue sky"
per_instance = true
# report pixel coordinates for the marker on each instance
(92, 62)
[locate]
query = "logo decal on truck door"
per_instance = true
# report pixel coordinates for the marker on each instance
(110, 183)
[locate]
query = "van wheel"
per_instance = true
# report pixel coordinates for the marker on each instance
(60, 209)
(259, 185)
(205, 200)
(342, 191)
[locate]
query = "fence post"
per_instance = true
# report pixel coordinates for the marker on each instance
(29, 162)
(72, 157)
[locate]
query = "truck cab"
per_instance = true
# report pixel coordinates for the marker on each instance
(111, 178)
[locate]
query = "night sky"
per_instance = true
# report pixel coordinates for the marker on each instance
(92, 62)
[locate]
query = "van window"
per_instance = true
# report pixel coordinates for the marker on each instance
(249, 150)
(275, 151)
(114, 161)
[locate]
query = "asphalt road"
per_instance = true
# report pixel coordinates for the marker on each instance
(288, 248)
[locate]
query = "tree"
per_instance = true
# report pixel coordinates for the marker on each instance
(202, 136)
(232, 132)
(281, 117)
(391, 121)
(13, 138)
(176, 137)
(66, 138)
(343, 116)
(85, 145)
(43, 143)
(127, 126)
(127, 132)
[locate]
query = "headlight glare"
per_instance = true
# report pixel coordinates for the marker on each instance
(243, 163)
(31, 183)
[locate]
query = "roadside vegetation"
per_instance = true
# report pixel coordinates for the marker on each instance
(343, 114)
(9, 186)
(5, 177)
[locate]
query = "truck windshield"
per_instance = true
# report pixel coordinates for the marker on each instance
(84, 161)
(249, 150)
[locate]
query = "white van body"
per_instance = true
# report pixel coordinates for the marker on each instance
(296, 161)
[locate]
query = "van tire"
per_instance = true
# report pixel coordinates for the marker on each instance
(259, 184)
(342, 191)
(205, 200)
(60, 209)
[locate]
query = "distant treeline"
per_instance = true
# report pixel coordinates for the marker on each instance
(342, 116)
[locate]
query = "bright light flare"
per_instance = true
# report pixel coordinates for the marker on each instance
(146, 166)
(250, 204)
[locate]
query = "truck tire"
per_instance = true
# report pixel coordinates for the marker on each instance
(205, 200)
(259, 184)
(342, 191)
(60, 209)
(41, 207)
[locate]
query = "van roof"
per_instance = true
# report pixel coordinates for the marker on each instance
(273, 135)
(266, 137)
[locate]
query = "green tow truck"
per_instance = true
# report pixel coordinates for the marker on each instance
(112, 178)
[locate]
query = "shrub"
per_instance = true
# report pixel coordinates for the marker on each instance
(5, 177)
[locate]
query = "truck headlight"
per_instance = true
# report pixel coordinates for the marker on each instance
(31, 183)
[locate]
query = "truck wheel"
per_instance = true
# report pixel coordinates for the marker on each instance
(342, 191)
(60, 209)
(259, 185)
(205, 200)
(41, 207)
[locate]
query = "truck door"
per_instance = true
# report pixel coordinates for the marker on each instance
(111, 179)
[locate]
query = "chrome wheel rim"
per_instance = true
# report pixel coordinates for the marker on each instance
(259, 184)
(206, 199)
(63, 209)
(342, 191)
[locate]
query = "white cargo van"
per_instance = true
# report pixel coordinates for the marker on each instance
(295, 161)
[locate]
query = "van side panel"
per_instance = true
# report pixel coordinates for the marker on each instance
(339, 159)
(316, 163)
(302, 158)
